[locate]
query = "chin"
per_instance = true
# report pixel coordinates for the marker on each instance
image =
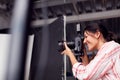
(90, 49)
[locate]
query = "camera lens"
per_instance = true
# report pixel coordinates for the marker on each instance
(71, 45)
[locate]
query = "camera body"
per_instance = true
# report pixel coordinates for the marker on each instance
(76, 45)
(70, 44)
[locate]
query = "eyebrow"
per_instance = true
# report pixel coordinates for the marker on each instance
(89, 33)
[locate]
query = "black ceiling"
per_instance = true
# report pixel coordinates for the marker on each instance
(83, 11)
(56, 8)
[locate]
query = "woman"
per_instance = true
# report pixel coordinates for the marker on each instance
(106, 63)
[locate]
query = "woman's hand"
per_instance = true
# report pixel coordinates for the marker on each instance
(70, 54)
(67, 50)
(84, 58)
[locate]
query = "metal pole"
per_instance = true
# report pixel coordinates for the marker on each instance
(19, 37)
(65, 70)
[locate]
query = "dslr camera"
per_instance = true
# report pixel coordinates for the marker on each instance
(76, 46)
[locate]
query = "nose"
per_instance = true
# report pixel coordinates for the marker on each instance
(84, 41)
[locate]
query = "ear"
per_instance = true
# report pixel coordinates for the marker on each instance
(97, 34)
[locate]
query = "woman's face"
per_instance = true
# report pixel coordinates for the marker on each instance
(90, 40)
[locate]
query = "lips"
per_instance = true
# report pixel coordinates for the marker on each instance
(86, 46)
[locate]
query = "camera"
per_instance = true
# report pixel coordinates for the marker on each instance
(75, 45)
(70, 44)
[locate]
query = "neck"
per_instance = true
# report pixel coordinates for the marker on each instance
(100, 43)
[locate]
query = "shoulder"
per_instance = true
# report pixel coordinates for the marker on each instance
(109, 46)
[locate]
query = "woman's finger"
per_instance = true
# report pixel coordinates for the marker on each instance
(65, 44)
(62, 52)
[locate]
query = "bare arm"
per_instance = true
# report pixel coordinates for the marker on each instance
(84, 58)
(70, 54)
(72, 57)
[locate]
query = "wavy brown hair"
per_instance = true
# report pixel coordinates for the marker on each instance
(108, 35)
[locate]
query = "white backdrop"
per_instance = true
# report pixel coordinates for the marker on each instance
(4, 48)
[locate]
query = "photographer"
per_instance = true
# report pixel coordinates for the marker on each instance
(106, 63)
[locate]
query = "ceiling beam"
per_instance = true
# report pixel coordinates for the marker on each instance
(74, 2)
(81, 17)
(39, 4)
